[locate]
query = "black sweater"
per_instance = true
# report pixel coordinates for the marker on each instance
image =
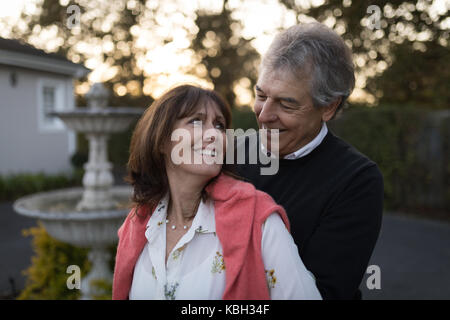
(334, 199)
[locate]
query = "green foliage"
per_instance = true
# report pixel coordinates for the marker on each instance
(244, 118)
(18, 185)
(46, 277)
(393, 136)
(414, 76)
(417, 77)
(102, 286)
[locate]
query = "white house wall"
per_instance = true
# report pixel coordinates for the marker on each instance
(24, 146)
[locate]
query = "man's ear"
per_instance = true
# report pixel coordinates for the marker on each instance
(330, 110)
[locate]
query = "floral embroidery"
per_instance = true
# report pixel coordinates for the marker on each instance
(153, 272)
(218, 263)
(176, 253)
(170, 293)
(271, 279)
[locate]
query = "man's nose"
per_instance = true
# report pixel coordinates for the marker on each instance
(268, 112)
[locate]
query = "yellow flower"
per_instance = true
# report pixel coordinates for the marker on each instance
(271, 279)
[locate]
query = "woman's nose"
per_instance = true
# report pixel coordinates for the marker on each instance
(210, 138)
(210, 134)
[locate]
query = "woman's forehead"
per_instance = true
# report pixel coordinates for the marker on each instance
(207, 107)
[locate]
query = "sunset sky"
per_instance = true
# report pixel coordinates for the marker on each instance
(163, 64)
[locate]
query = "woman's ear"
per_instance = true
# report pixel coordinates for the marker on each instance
(330, 110)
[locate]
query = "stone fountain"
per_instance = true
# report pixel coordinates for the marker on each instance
(90, 216)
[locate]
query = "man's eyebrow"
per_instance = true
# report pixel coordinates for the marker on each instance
(257, 88)
(286, 99)
(289, 100)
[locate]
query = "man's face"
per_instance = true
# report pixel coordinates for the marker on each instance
(283, 102)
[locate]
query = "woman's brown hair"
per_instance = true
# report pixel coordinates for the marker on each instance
(146, 165)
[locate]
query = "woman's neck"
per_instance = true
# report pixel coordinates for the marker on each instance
(185, 197)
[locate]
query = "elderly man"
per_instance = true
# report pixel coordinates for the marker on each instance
(332, 193)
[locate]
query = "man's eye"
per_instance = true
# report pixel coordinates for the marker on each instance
(261, 97)
(285, 106)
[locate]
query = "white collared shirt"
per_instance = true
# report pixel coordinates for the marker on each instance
(195, 267)
(306, 149)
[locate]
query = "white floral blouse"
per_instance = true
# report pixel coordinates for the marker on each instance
(195, 268)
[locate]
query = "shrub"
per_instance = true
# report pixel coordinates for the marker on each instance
(244, 118)
(17, 185)
(398, 140)
(47, 277)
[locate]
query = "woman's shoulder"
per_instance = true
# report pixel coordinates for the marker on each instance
(225, 187)
(235, 192)
(137, 217)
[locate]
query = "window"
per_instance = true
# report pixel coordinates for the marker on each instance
(51, 97)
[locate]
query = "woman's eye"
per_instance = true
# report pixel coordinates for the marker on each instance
(196, 122)
(220, 126)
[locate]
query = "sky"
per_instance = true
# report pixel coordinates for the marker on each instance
(168, 60)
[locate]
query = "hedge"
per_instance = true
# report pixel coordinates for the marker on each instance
(14, 186)
(412, 151)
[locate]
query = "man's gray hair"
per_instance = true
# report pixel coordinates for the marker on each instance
(316, 53)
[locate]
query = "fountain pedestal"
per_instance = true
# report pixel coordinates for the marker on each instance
(89, 216)
(99, 257)
(98, 178)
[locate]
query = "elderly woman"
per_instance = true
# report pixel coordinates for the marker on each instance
(196, 232)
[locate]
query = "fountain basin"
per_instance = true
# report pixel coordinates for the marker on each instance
(57, 211)
(108, 120)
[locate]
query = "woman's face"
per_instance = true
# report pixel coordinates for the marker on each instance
(198, 142)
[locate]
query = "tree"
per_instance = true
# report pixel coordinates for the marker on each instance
(405, 30)
(227, 57)
(417, 77)
(109, 32)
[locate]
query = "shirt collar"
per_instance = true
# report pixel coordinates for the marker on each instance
(204, 220)
(308, 148)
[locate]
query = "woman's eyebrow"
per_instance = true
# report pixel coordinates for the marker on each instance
(203, 115)
(220, 117)
(198, 114)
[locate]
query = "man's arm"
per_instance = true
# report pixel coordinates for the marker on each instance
(340, 248)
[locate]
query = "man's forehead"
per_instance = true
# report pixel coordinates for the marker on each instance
(280, 82)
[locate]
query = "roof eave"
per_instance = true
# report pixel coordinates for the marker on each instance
(23, 60)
